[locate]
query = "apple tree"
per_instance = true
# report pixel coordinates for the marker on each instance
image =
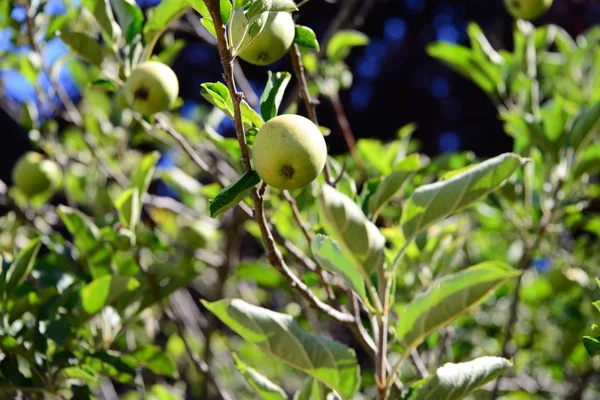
(146, 255)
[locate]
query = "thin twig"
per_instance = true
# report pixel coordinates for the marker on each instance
(273, 254)
(419, 364)
(342, 119)
(292, 202)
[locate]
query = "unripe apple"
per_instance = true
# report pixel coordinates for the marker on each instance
(289, 152)
(270, 44)
(527, 9)
(152, 87)
(34, 175)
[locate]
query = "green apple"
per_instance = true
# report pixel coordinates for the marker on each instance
(289, 152)
(152, 87)
(528, 9)
(272, 41)
(34, 175)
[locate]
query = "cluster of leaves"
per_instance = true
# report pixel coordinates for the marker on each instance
(410, 244)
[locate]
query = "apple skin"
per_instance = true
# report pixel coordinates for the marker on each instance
(152, 87)
(34, 175)
(527, 9)
(271, 43)
(289, 152)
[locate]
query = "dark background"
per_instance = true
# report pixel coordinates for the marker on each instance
(395, 82)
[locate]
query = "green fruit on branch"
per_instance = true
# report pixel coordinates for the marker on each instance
(269, 44)
(345, 222)
(528, 9)
(289, 152)
(34, 175)
(152, 87)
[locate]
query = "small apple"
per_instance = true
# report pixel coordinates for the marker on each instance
(34, 175)
(528, 9)
(152, 87)
(289, 152)
(270, 44)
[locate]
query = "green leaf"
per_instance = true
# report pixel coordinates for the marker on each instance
(393, 183)
(311, 390)
(457, 381)
(218, 95)
(30, 302)
(130, 16)
(85, 233)
(344, 221)
(258, 7)
(153, 358)
(143, 173)
(231, 195)
(343, 41)
(103, 14)
(104, 291)
(589, 161)
(201, 8)
(209, 25)
(266, 389)
(84, 46)
(330, 256)
(448, 299)
(162, 16)
(60, 331)
(279, 335)
(22, 266)
(306, 37)
(104, 84)
(586, 125)
(225, 9)
(273, 93)
(431, 203)
(128, 207)
(460, 59)
(592, 345)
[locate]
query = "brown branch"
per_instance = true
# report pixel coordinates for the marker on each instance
(276, 260)
(342, 119)
(273, 254)
(292, 202)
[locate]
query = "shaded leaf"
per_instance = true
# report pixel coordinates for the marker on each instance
(162, 16)
(130, 16)
(330, 256)
(103, 14)
(22, 266)
(586, 125)
(393, 183)
(273, 93)
(447, 299)
(456, 381)
(83, 45)
(279, 335)
(344, 221)
(231, 195)
(128, 207)
(592, 345)
(266, 389)
(431, 203)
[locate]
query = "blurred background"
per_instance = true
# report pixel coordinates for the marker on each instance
(396, 82)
